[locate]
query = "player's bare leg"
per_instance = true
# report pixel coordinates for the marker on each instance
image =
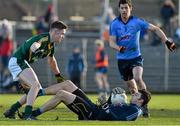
(10, 113)
(61, 96)
(137, 73)
(105, 83)
(98, 79)
(29, 77)
(132, 86)
(73, 102)
(66, 85)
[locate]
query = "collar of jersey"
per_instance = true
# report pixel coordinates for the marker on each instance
(50, 38)
(134, 105)
(120, 19)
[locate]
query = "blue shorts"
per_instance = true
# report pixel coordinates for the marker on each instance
(126, 66)
(101, 70)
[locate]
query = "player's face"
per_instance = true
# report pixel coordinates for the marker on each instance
(125, 10)
(58, 35)
(136, 98)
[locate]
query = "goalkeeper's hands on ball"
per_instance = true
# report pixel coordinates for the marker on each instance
(118, 90)
(104, 99)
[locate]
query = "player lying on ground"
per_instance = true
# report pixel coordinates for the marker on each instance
(80, 104)
(36, 47)
(51, 90)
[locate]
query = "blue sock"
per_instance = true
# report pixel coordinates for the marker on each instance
(41, 92)
(36, 112)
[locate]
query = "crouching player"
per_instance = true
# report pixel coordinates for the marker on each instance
(33, 49)
(77, 101)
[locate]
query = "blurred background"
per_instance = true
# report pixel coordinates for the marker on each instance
(88, 20)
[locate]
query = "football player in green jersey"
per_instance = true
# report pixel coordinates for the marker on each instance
(36, 47)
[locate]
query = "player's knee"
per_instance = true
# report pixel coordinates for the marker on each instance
(138, 79)
(66, 83)
(36, 85)
(69, 84)
(60, 94)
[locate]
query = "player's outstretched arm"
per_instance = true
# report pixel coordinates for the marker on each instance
(170, 45)
(54, 67)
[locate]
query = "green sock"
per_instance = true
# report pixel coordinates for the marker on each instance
(15, 107)
(28, 110)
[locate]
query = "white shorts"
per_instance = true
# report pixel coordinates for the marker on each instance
(15, 68)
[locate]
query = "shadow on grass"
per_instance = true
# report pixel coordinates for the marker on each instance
(169, 113)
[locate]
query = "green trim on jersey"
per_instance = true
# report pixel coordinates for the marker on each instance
(46, 48)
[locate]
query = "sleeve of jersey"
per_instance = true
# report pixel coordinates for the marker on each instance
(112, 31)
(144, 24)
(131, 114)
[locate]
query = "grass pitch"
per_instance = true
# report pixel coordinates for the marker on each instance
(165, 110)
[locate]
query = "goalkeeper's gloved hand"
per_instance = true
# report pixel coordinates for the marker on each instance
(118, 90)
(170, 45)
(59, 78)
(122, 49)
(102, 99)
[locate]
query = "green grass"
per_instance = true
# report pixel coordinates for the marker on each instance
(165, 110)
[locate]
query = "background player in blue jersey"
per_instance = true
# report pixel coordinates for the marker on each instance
(124, 37)
(80, 104)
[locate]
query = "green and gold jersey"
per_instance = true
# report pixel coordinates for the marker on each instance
(46, 49)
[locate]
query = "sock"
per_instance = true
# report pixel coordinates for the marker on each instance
(36, 112)
(81, 94)
(81, 108)
(28, 110)
(15, 107)
(41, 92)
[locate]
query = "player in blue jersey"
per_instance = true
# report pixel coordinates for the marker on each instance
(80, 104)
(124, 38)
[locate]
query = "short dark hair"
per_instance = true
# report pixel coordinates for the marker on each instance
(58, 25)
(125, 2)
(146, 96)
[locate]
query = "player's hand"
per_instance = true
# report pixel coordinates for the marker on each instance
(122, 49)
(59, 78)
(170, 45)
(118, 90)
(102, 99)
